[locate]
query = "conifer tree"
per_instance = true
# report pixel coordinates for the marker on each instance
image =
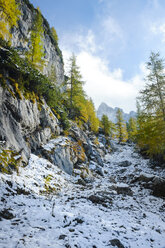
(132, 129)
(36, 52)
(75, 91)
(122, 134)
(93, 121)
(9, 15)
(151, 117)
(153, 95)
(107, 126)
(54, 33)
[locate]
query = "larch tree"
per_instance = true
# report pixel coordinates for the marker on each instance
(9, 15)
(54, 33)
(151, 118)
(75, 92)
(93, 121)
(132, 129)
(107, 126)
(36, 52)
(121, 129)
(152, 96)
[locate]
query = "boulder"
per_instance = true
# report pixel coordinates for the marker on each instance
(122, 188)
(116, 243)
(125, 163)
(158, 187)
(65, 153)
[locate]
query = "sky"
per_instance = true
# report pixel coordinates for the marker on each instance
(112, 40)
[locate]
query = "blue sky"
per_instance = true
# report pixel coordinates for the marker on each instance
(112, 40)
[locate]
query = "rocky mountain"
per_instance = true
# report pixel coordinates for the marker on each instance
(21, 40)
(67, 188)
(111, 112)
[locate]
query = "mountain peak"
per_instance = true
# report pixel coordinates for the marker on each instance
(104, 109)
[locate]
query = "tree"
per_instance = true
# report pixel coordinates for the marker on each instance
(93, 121)
(75, 92)
(9, 15)
(54, 33)
(151, 117)
(132, 129)
(122, 134)
(52, 74)
(107, 126)
(153, 95)
(36, 53)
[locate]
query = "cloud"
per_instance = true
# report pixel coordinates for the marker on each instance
(158, 29)
(111, 28)
(103, 85)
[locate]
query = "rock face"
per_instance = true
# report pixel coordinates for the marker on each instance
(23, 127)
(111, 113)
(21, 40)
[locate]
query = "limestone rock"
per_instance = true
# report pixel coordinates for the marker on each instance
(21, 41)
(23, 127)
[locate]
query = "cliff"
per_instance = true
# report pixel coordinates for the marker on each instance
(29, 105)
(21, 40)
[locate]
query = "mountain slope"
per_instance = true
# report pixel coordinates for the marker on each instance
(48, 208)
(104, 109)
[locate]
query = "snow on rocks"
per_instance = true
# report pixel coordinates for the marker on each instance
(58, 212)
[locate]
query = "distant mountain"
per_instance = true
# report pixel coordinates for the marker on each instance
(104, 109)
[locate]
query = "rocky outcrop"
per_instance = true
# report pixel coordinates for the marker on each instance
(64, 153)
(24, 125)
(104, 109)
(21, 40)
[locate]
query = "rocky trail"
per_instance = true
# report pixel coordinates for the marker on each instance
(44, 207)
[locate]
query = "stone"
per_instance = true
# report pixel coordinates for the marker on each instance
(125, 163)
(6, 214)
(116, 243)
(122, 188)
(158, 187)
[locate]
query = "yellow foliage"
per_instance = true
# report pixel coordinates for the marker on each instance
(36, 53)
(9, 15)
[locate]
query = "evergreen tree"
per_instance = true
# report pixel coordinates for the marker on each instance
(54, 33)
(52, 74)
(75, 91)
(36, 52)
(9, 15)
(93, 121)
(153, 95)
(122, 134)
(132, 129)
(107, 126)
(151, 116)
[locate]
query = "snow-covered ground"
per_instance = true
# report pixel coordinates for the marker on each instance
(44, 207)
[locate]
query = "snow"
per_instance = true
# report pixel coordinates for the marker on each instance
(52, 143)
(67, 218)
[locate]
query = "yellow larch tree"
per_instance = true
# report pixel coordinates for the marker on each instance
(9, 15)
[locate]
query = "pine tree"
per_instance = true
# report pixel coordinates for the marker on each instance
(9, 15)
(122, 134)
(36, 52)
